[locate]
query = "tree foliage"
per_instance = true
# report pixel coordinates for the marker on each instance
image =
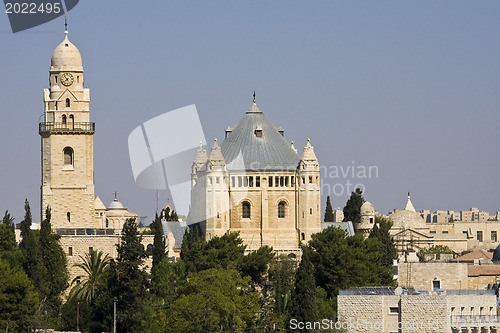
(328, 211)
(255, 264)
(159, 241)
(219, 252)
(342, 261)
(94, 266)
(53, 259)
(8, 247)
(352, 209)
(18, 299)
(214, 300)
(130, 282)
(303, 304)
(381, 231)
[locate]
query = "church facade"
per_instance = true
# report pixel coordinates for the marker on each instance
(255, 183)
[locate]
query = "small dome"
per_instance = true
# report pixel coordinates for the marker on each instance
(115, 204)
(408, 219)
(66, 56)
(55, 88)
(367, 208)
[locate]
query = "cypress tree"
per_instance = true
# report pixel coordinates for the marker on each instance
(130, 282)
(352, 209)
(54, 263)
(158, 242)
(28, 243)
(303, 304)
(328, 210)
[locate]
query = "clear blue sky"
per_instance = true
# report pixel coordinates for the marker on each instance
(411, 87)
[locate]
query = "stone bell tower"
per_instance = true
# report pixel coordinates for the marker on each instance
(67, 143)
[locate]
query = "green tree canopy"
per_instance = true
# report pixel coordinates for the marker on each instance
(18, 299)
(158, 242)
(342, 261)
(219, 252)
(214, 300)
(328, 211)
(353, 207)
(94, 265)
(381, 231)
(130, 282)
(303, 304)
(53, 259)
(255, 264)
(8, 247)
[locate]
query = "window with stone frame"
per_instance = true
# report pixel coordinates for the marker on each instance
(281, 210)
(68, 156)
(245, 210)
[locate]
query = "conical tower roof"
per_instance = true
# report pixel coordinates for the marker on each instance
(409, 205)
(308, 154)
(260, 144)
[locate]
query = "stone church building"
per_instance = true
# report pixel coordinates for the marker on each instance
(67, 184)
(254, 182)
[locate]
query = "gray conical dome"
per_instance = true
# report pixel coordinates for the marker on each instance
(260, 144)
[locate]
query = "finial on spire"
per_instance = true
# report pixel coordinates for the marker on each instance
(254, 96)
(65, 22)
(116, 193)
(408, 194)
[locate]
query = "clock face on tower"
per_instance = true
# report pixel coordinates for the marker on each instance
(67, 79)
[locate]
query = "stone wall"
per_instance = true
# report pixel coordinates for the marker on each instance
(424, 313)
(421, 275)
(76, 246)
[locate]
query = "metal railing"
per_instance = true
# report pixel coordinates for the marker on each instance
(68, 127)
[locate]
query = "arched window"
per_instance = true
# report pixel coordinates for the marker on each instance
(68, 215)
(68, 156)
(149, 249)
(303, 236)
(64, 119)
(246, 210)
(68, 103)
(281, 210)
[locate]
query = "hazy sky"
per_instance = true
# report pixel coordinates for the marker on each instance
(411, 88)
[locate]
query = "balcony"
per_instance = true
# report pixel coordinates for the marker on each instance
(66, 128)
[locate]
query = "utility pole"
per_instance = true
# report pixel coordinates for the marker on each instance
(114, 314)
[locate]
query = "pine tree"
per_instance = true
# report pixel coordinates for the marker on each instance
(303, 304)
(353, 207)
(328, 211)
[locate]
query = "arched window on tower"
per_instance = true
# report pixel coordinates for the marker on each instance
(63, 119)
(281, 210)
(245, 210)
(68, 103)
(71, 121)
(68, 156)
(68, 215)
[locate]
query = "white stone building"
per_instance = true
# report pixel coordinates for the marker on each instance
(255, 183)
